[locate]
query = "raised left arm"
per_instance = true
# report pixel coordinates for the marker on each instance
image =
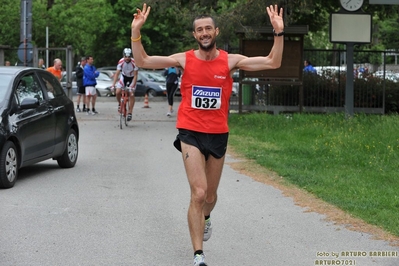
(273, 60)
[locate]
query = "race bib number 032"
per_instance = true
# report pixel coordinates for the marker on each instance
(206, 98)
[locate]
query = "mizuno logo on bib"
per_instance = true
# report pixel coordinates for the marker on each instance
(206, 98)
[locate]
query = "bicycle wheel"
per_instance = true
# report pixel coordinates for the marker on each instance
(124, 113)
(126, 109)
(120, 110)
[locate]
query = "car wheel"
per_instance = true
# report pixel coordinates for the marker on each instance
(8, 165)
(70, 156)
(151, 93)
(98, 93)
(109, 93)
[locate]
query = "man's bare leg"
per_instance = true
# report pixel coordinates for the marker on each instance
(88, 100)
(132, 100)
(203, 177)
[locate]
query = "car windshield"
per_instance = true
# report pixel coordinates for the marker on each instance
(108, 73)
(103, 76)
(4, 84)
(154, 76)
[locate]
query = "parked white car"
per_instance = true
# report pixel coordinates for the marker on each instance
(389, 75)
(103, 86)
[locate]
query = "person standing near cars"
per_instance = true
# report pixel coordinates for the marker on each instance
(308, 67)
(56, 69)
(172, 81)
(41, 64)
(90, 74)
(79, 82)
(126, 73)
(202, 118)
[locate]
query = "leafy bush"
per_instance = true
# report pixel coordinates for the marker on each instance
(327, 89)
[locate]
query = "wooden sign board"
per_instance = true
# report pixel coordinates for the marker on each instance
(292, 63)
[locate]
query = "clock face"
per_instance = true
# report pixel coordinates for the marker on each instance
(351, 5)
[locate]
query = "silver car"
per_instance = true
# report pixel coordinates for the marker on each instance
(103, 86)
(149, 82)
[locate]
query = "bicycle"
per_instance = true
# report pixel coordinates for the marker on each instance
(123, 105)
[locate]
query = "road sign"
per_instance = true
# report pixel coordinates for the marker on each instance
(25, 53)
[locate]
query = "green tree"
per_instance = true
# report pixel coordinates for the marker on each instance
(9, 18)
(102, 27)
(389, 32)
(80, 24)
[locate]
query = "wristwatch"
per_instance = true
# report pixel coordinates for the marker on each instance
(278, 34)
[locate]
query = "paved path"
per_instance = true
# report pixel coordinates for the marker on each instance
(125, 203)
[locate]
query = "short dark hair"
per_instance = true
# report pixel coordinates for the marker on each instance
(204, 16)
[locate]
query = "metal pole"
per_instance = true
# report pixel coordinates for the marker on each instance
(69, 60)
(25, 33)
(349, 81)
(384, 82)
(47, 65)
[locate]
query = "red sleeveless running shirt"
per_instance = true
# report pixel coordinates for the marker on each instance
(205, 88)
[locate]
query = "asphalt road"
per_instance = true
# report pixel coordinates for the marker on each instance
(125, 203)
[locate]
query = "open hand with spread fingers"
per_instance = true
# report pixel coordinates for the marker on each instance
(276, 18)
(140, 17)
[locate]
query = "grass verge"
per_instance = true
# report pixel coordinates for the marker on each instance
(350, 163)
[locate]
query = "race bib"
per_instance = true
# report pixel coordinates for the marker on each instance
(206, 98)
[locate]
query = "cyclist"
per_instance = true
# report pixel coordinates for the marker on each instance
(129, 71)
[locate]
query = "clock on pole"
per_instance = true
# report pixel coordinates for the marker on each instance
(351, 5)
(350, 25)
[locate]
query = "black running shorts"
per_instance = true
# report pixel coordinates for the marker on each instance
(82, 90)
(208, 144)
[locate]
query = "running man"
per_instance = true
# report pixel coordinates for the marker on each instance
(203, 112)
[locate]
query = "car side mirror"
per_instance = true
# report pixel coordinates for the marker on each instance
(29, 103)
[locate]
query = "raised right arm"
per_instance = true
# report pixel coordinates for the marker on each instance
(139, 54)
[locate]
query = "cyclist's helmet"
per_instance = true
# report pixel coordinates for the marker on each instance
(127, 52)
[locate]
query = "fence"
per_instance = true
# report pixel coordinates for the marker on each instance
(30, 57)
(325, 91)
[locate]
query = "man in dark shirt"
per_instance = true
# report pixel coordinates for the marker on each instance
(79, 83)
